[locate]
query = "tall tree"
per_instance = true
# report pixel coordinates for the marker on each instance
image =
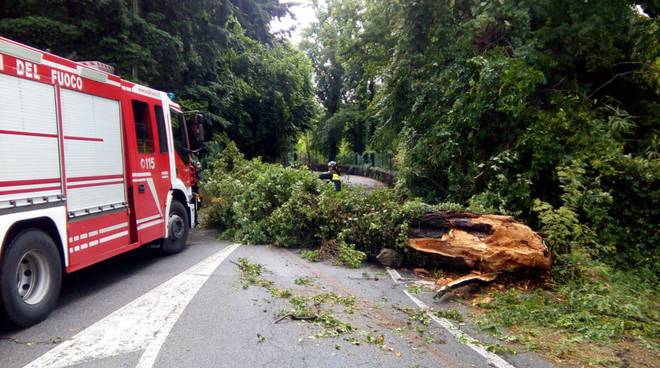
(543, 109)
(211, 53)
(348, 47)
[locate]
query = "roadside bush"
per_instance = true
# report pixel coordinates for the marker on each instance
(348, 256)
(600, 305)
(586, 301)
(256, 202)
(295, 222)
(310, 255)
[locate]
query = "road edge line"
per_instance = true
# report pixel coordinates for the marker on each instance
(80, 349)
(460, 336)
(150, 354)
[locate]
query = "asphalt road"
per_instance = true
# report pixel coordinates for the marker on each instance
(362, 181)
(190, 310)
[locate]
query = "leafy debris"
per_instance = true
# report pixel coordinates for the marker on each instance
(451, 314)
(310, 255)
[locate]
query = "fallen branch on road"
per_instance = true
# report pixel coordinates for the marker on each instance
(465, 280)
(295, 318)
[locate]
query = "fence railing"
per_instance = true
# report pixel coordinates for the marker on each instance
(369, 159)
(378, 166)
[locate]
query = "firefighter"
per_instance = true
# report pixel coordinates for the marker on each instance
(333, 175)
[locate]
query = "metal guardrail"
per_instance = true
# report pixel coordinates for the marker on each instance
(377, 166)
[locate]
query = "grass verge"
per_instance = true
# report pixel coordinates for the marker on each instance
(597, 317)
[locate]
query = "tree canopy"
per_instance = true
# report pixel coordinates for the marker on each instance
(545, 109)
(216, 55)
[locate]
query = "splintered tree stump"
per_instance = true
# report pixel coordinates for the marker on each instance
(488, 243)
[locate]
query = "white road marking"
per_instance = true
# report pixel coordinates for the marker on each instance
(143, 324)
(394, 274)
(492, 358)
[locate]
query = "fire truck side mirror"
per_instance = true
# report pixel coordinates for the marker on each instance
(198, 129)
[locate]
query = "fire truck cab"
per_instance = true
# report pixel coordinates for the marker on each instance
(92, 166)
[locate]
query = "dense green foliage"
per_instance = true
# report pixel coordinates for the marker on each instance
(216, 55)
(349, 48)
(583, 317)
(590, 302)
(547, 110)
(257, 202)
(596, 309)
(543, 109)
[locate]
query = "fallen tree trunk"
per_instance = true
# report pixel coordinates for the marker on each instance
(488, 243)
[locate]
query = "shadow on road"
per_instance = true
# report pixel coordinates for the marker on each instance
(94, 279)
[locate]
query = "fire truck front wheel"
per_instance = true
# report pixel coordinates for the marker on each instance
(178, 227)
(30, 278)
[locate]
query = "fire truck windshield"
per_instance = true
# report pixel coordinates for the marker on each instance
(179, 130)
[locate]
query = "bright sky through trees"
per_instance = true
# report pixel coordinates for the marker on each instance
(304, 16)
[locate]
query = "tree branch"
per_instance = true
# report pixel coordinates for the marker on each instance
(608, 82)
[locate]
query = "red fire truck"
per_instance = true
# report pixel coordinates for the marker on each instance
(91, 166)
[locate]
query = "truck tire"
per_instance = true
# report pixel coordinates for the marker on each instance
(178, 227)
(30, 278)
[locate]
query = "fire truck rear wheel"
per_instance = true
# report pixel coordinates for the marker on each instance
(30, 278)
(178, 227)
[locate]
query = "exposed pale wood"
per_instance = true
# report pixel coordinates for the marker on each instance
(489, 243)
